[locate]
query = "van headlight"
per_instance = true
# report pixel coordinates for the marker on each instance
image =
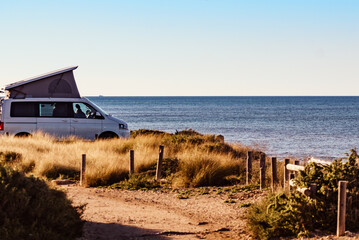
(123, 126)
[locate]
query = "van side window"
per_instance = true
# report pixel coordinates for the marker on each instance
(54, 109)
(82, 110)
(23, 109)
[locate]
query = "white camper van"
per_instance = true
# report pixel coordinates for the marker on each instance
(52, 104)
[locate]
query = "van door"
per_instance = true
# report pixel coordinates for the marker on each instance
(86, 123)
(54, 118)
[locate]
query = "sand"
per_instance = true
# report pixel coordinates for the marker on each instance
(121, 214)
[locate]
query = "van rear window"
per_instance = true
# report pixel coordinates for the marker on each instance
(23, 109)
(42, 109)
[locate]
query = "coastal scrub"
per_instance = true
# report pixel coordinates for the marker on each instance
(190, 158)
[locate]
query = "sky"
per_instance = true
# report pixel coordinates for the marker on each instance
(186, 47)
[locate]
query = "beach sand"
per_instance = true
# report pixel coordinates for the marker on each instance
(122, 214)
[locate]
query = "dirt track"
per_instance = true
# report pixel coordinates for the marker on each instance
(121, 214)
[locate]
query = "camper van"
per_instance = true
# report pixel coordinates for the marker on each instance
(51, 103)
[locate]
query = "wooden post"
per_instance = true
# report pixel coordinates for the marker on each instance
(249, 167)
(286, 174)
(132, 162)
(342, 197)
(274, 173)
(159, 163)
(83, 171)
(313, 190)
(296, 162)
(262, 165)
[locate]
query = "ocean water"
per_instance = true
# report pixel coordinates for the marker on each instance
(323, 127)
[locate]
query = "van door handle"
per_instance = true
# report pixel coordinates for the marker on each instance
(76, 121)
(64, 120)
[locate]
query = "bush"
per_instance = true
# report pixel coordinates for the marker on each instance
(29, 209)
(141, 132)
(9, 157)
(280, 215)
(297, 214)
(204, 171)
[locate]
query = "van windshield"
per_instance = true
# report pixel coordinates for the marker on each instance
(99, 108)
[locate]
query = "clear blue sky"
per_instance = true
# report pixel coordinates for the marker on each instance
(186, 47)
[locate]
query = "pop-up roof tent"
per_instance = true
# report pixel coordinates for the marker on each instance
(56, 84)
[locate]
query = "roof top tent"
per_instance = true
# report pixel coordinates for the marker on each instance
(57, 84)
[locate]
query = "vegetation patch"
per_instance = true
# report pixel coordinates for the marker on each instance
(141, 132)
(244, 205)
(29, 209)
(105, 177)
(9, 157)
(184, 194)
(189, 159)
(137, 182)
(297, 215)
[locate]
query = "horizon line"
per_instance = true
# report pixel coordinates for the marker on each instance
(224, 96)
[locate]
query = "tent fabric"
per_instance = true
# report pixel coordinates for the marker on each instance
(57, 84)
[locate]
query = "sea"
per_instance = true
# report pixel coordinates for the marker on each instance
(300, 127)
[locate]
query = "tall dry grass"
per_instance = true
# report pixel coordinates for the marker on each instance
(193, 159)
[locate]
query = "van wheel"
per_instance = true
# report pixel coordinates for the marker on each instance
(108, 135)
(23, 134)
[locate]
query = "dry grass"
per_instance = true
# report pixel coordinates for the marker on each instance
(194, 159)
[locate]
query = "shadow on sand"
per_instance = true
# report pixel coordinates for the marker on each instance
(112, 231)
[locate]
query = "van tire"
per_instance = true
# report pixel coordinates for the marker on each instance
(23, 134)
(108, 135)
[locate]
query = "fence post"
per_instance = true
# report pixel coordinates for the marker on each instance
(132, 162)
(249, 167)
(286, 174)
(274, 173)
(296, 162)
(159, 163)
(83, 171)
(313, 190)
(262, 165)
(342, 197)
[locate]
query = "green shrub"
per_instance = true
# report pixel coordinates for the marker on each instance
(29, 209)
(327, 178)
(280, 215)
(244, 205)
(296, 214)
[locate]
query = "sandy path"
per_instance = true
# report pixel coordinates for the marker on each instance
(120, 214)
